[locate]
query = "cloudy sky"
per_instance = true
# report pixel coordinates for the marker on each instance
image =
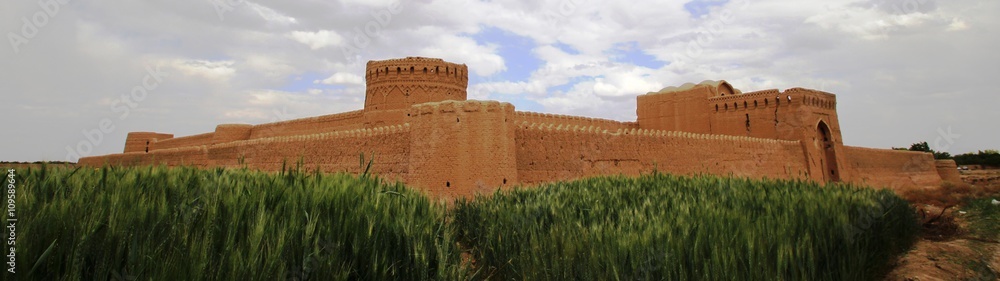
(78, 75)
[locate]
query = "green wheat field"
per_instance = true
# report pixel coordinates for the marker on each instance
(159, 223)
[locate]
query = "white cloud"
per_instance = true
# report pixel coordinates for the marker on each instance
(317, 40)
(342, 78)
(891, 63)
(270, 15)
(219, 71)
(482, 60)
(957, 25)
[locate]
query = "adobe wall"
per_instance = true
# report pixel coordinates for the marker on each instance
(193, 140)
(330, 152)
(550, 152)
(460, 148)
(948, 170)
(894, 169)
(313, 125)
(188, 156)
(685, 111)
(535, 117)
(141, 141)
(231, 132)
(397, 84)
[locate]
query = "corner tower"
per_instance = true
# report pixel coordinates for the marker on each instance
(397, 84)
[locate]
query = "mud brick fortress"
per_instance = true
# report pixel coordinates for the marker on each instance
(422, 130)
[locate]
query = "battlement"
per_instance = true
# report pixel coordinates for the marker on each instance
(460, 106)
(346, 134)
(774, 97)
(551, 127)
(399, 83)
(423, 131)
(536, 117)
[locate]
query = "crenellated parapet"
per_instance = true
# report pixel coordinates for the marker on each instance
(420, 128)
(399, 83)
(552, 127)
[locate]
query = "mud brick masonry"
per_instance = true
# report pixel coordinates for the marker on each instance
(422, 130)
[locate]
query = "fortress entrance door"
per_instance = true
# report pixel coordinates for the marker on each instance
(826, 147)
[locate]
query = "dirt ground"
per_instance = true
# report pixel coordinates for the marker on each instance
(959, 255)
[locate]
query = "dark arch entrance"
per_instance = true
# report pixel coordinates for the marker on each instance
(829, 157)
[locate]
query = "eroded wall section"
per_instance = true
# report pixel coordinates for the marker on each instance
(894, 169)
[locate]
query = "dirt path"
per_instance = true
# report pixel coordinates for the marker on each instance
(964, 256)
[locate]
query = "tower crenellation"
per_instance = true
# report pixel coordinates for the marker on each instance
(423, 130)
(400, 83)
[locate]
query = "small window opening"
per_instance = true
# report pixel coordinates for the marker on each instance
(748, 123)
(447, 184)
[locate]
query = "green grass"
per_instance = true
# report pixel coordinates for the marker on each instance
(157, 223)
(662, 227)
(983, 217)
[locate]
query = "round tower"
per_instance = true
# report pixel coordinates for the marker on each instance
(399, 83)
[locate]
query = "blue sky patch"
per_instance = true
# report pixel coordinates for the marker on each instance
(699, 8)
(566, 48)
(572, 82)
(516, 51)
(631, 53)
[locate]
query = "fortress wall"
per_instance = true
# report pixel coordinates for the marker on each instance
(231, 132)
(684, 111)
(534, 117)
(189, 156)
(770, 114)
(948, 170)
(460, 148)
(547, 152)
(331, 152)
(894, 169)
(194, 140)
(142, 141)
(313, 125)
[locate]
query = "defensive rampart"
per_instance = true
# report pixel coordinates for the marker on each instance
(547, 152)
(421, 130)
(893, 169)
